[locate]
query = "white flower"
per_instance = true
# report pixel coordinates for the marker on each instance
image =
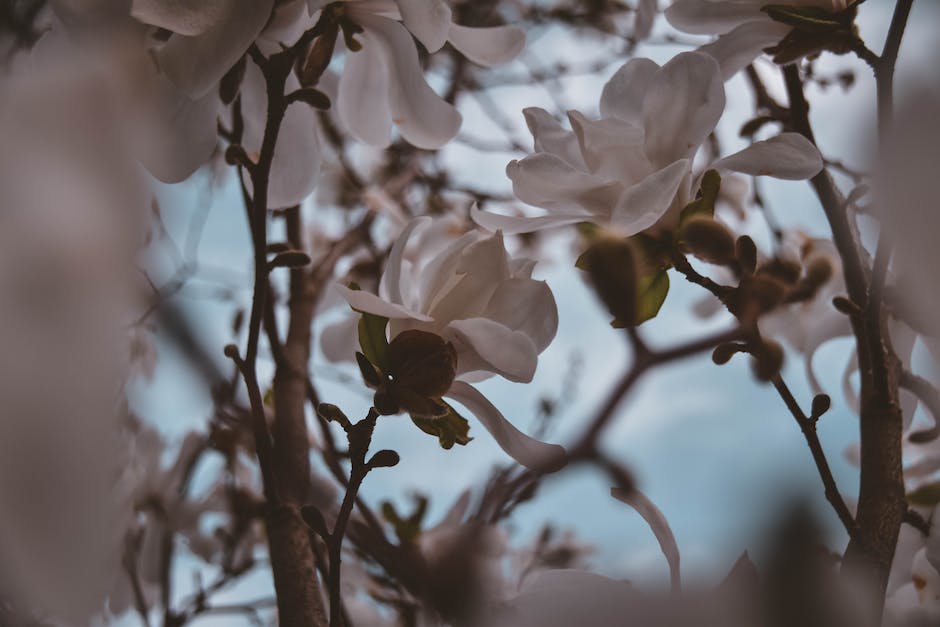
(632, 169)
(383, 83)
(486, 304)
(745, 31)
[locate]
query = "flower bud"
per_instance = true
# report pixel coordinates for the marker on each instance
(422, 362)
(709, 240)
(768, 359)
(611, 264)
(745, 251)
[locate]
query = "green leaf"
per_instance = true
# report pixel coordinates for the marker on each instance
(450, 429)
(925, 495)
(704, 203)
(651, 295)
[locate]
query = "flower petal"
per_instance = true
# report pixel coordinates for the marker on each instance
(487, 46)
(787, 156)
(738, 47)
(622, 96)
(390, 283)
(479, 268)
(660, 526)
(527, 306)
(362, 102)
(545, 180)
(483, 344)
(176, 134)
(182, 16)
(684, 101)
(611, 148)
(525, 450)
(424, 119)
(196, 63)
(551, 137)
(705, 17)
(644, 204)
(428, 20)
(340, 340)
(511, 225)
(370, 303)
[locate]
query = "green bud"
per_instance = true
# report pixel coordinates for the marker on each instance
(611, 265)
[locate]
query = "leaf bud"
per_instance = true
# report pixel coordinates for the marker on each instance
(767, 360)
(709, 240)
(745, 251)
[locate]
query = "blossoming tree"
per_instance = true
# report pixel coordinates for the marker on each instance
(326, 121)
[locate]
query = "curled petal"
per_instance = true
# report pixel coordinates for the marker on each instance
(390, 284)
(484, 344)
(196, 63)
(684, 101)
(370, 303)
(660, 526)
(477, 270)
(622, 96)
(551, 137)
(527, 306)
(428, 20)
(706, 17)
(787, 156)
(522, 224)
(488, 46)
(644, 204)
(424, 119)
(527, 451)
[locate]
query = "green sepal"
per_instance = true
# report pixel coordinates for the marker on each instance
(406, 529)
(372, 337)
(704, 203)
(449, 429)
(651, 294)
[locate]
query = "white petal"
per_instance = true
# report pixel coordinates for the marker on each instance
(545, 180)
(424, 119)
(437, 275)
(660, 526)
(787, 156)
(390, 284)
(933, 540)
(488, 46)
(551, 137)
(525, 450)
(511, 225)
(735, 49)
(644, 204)
(706, 17)
(684, 101)
(622, 96)
(174, 135)
(370, 303)
(195, 64)
(611, 148)
(362, 103)
(643, 19)
(527, 306)
(428, 20)
(182, 16)
(479, 268)
(490, 346)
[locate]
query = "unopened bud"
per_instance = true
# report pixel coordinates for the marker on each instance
(612, 267)
(821, 404)
(384, 459)
(724, 352)
(818, 270)
(768, 360)
(422, 362)
(745, 251)
(709, 240)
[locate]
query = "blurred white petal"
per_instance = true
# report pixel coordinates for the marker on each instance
(487, 46)
(659, 525)
(787, 156)
(502, 350)
(428, 20)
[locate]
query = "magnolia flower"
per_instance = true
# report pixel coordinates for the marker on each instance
(744, 29)
(382, 83)
(486, 305)
(632, 169)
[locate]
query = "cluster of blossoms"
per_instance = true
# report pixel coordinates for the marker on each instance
(450, 306)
